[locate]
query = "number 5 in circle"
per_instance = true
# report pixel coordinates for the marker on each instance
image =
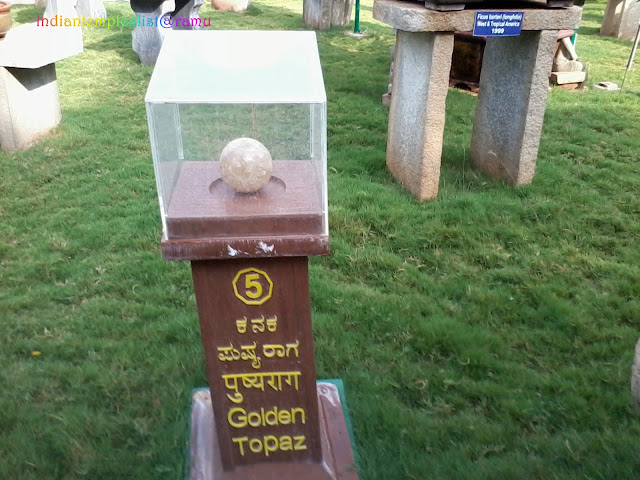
(252, 286)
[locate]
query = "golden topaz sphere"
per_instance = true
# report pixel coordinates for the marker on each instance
(245, 165)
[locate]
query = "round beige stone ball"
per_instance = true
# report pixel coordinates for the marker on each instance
(245, 165)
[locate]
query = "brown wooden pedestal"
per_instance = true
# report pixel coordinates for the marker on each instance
(249, 256)
(266, 418)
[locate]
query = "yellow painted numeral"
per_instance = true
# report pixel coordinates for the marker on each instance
(252, 285)
(256, 287)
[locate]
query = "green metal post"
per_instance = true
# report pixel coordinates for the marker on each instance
(356, 25)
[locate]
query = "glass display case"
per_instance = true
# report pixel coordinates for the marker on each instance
(210, 88)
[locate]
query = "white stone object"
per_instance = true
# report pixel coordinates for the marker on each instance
(566, 59)
(246, 165)
(323, 14)
(64, 8)
(562, 78)
(22, 46)
(91, 9)
(621, 19)
(29, 101)
(231, 5)
(29, 105)
(608, 86)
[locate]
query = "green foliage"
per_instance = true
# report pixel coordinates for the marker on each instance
(487, 334)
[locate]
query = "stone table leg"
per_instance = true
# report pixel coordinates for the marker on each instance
(189, 14)
(341, 12)
(417, 111)
(513, 95)
(621, 19)
(29, 105)
(629, 22)
(316, 14)
(147, 41)
(91, 9)
(323, 14)
(64, 8)
(612, 17)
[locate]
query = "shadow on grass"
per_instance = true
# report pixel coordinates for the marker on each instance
(592, 16)
(118, 42)
(588, 30)
(595, 32)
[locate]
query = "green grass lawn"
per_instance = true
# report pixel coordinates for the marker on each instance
(485, 335)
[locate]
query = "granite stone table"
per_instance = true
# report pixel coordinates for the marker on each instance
(511, 102)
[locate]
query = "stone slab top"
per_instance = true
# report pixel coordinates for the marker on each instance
(415, 17)
(33, 46)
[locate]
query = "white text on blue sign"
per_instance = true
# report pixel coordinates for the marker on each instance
(498, 24)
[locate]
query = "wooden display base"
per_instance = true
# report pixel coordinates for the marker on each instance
(203, 455)
(203, 206)
(206, 219)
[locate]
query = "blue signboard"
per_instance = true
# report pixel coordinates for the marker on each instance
(498, 24)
